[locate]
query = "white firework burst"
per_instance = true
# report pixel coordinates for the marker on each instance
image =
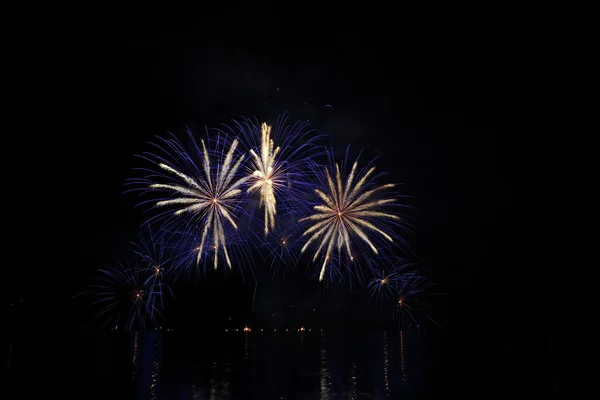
(267, 176)
(280, 156)
(204, 195)
(347, 211)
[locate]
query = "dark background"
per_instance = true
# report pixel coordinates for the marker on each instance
(440, 92)
(452, 95)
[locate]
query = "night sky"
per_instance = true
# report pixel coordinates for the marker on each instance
(440, 94)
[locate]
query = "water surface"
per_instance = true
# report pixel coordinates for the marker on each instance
(227, 365)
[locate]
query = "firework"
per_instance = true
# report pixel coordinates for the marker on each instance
(340, 273)
(184, 245)
(203, 191)
(403, 288)
(386, 285)
(279, 156)
(351, 212)
(282, 246)
(265, 177)
(154, 262)
(126, 297)
(410, 299)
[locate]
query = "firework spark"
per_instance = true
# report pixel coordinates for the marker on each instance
(184, 244)
(348, 209)
(205, 195)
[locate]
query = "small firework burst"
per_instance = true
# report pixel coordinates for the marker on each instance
(282, 247)
(402, 289)
(411, 303)
(386, 284)
(155, 262)
(126, 298)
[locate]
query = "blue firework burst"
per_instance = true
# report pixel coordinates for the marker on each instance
(125, 298)
(156, 262)
(199, 193)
